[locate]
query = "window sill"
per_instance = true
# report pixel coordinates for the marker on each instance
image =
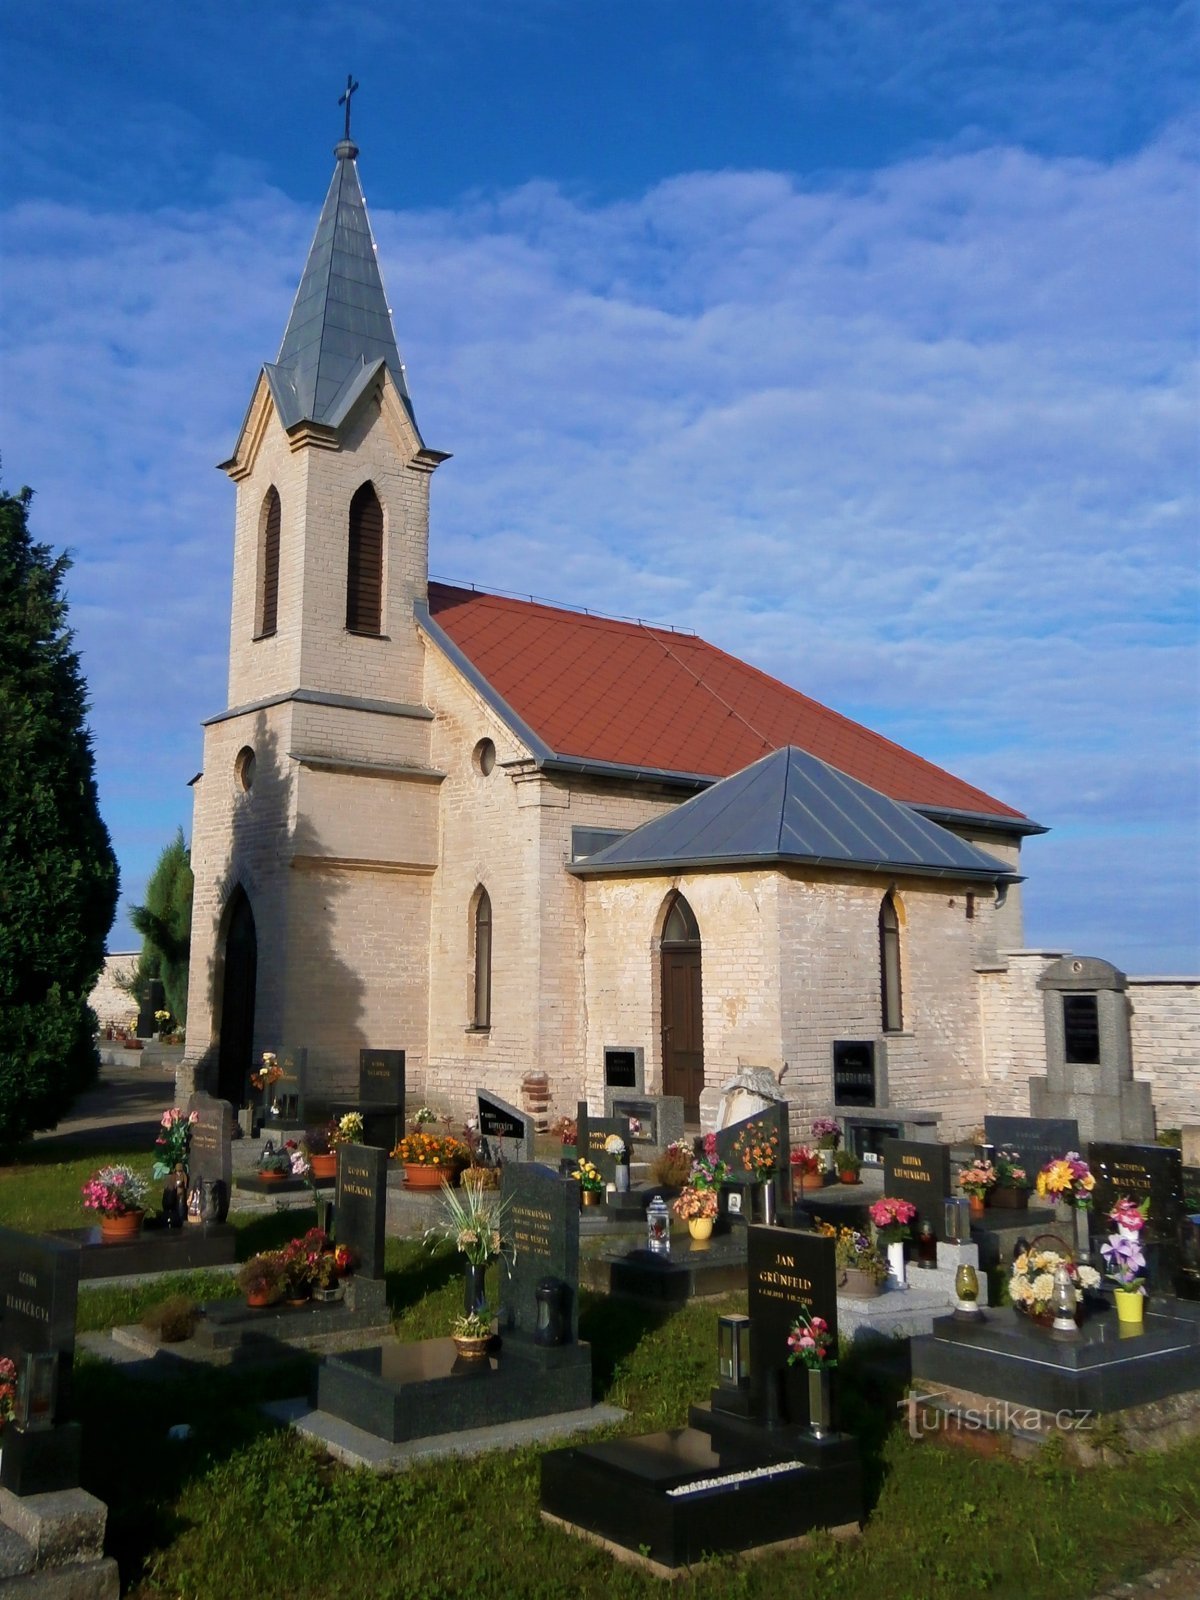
(256, 637)
(356, 633)
(478, 1027)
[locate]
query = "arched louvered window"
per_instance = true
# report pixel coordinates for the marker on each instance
(364, 563)
(268, 565)
(889, 966)
(482, 1011)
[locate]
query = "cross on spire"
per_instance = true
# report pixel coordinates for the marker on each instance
(344, 100)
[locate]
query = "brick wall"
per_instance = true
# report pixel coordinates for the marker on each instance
(114, 1006)
(1165, 1028)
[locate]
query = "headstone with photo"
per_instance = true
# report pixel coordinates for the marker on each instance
(508, 1133)
(361, 1207)
(39, 1285)
(1149, 1172)
(735, 1145)
(919, 1173)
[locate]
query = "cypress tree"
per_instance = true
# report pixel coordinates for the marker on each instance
(58, 874)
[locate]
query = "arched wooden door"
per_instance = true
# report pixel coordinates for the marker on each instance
(237, 1003)
(682, 1008)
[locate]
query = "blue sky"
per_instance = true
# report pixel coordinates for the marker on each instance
(858, 336)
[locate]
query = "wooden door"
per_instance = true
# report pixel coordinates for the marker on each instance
(683, 1027)
(237, 1004)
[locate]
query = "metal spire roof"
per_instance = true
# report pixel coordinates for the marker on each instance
(791, 806)
(340, 331)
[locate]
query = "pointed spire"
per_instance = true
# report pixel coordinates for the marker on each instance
(340, 326)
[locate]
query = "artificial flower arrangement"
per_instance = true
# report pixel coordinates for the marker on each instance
(1069, 1179)
(8, 1391)
(474, 1225)
(566, 1130)
(472, 1324)
(1031, 1282)
(756, 1150)
(174, 1141)
(810, 1343)
(805, 1163)
(347, 1129)
(302, 1263)
(590, 1180)
(1010, 1174)
(425, 1118)
(673, 1168)
(978, 1179)
(270, 1072)
(287, 1160)
(692, 1204)
(1123, 1252)
(614, 1146)
(827, 1132)
(708, 1170)
(115, 1192)
(892, 1219)
(163, 1019)
(316, 1142)
(854, 1250)
(432, 1150)
(635, 1127)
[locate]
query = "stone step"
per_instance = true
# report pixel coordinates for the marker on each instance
(16, 1554)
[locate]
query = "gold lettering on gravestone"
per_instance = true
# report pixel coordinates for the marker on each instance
(27, 1308)
(358, 1188)
(531, 1230)
(1138, 1177)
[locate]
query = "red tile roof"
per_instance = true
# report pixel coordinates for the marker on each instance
(594, 689)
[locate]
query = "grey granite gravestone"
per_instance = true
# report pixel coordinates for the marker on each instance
(919, 1173)
(508, 1132)
(1036, 1140)
(542, 1217)
(660, 1115)
(210, 1154)
(787, 1272)
(1142, 1172)
(361, 1207)
(39, 1286)
(1089, 1053)
(592, 1134)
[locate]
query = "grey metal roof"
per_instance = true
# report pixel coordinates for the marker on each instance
(340, 330)
(790, 806)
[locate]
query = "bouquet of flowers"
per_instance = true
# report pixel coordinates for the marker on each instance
(286, 1159)
(302, 1261)
(810, 1343)
(708, 1170)
(673, 1168)
(1069, 1179)
(567, 1130)
(1031, 1283)
(1010, 1174)
(432, 1150)
(162, 1018)
(174, 1139)
(114, 1192)
(8, 1391)
(589, 1177)
(854, 1249)
(892, 1219)
(473, 1224)
(614, 1146)
(827, 1132)
(1123, 1252)
(756, 1150)
(805, 1163)
(977, 1179)
(694, 1203)
(347, 1129)
(270, 1072)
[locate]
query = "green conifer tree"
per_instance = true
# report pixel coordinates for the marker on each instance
(58, 874)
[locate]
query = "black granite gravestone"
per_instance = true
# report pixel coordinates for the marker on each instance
(623, 1068)
(210, 1155)
(919, 1173)
(1037, 1140)
(381, 1096)
(508, 1132)
(854, 1072)
(289, 1091)
(592, 1133)
(361, 1207)
(734, 1142)
(39, 1285)
(1142, 1172)
(543, 1219)
(787, 1272)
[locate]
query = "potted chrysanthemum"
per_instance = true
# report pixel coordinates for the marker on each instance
(118, 1194)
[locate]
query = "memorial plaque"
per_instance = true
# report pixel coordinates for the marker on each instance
(381, 1078)
(1151, 1172)
(592, 1132)
(624, 1068)
(361, 1208)
(210, 1154)
(787, 1272)
(1037, 1140)
(504, 1126)
(288, 1092)
(853, 1072)
(920, 1173)
(543, 1221)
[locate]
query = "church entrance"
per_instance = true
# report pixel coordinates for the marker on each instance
(682, 1013)
(236, 1047)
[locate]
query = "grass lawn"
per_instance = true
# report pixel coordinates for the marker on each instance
(242, 1508)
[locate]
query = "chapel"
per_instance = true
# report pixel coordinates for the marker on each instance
(507, 837)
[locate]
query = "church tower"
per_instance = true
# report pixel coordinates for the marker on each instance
(315, 816)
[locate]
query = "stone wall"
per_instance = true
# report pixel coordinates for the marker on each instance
(114, 1006)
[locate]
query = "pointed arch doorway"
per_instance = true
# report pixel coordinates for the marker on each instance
(682, 1008)
(240, 978)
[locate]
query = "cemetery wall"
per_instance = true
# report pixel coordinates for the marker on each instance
(114, 1006)
(1014, 1028)
(1165, 1029)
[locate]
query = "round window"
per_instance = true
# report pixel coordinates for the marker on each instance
(244, 767)
(485, 756)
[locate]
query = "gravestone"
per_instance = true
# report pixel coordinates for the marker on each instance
(919, 1173)
(787, 1272)
(661, 1116)
(40, 1286)
(381, 1096)
(361, 1206)
(854, 1081)
(774, 1119)
(625, 1068)
(1036, 1140)
(289, 1091)
(543, 1219)
(508, 1132)
(210, 1154)
(1089, 1053)
(1142, 1172)
(592, 1132)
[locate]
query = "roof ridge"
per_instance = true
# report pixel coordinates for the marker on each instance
(567, 607)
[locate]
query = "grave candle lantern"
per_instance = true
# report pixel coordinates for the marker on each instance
(551, 1325)
(956, 1220)
(658, 1226)
(37, 1386)
(733, 1352)
(1062, 1303)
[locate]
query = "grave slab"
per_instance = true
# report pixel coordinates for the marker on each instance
(695, 1269)
(191, 1248)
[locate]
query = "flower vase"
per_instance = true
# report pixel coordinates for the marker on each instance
(895, 1260)
(820, 1401)
(700, 1227)
(1083, 1241)
(621, 1177)
(977, 1205)
(473, 1291)
(1131, 1307)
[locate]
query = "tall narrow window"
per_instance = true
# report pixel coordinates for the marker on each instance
(483, 961)
(889, 966)
(364, 562)
(268, 566)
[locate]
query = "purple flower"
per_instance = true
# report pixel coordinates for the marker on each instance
(1125, 1259)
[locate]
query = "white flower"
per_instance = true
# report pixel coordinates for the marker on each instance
(1089, 1277)
(1043, 1286)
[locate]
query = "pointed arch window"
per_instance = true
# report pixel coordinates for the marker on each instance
(681, 926)
(889, 966)
(364, 563)
(268, 565)
(482, 1008)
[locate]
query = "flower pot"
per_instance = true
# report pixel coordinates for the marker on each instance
(591, 1197)
(323, 1166)
(856, 1284)
(471, 1349)
(897, 1278)
(298, 1299)
(977, 1205)
(264, 1298)
(700, 1227)
(803, 1182)
(127, 1226)
(418, 1177)
(1131, 1306)
(849, 1177)
(1008, 1199)
(820, 1401)
(273, 1177)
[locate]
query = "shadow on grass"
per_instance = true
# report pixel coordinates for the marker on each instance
(873, 1379)
(129, 1142)
(425, 1272)
(614, 1329)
